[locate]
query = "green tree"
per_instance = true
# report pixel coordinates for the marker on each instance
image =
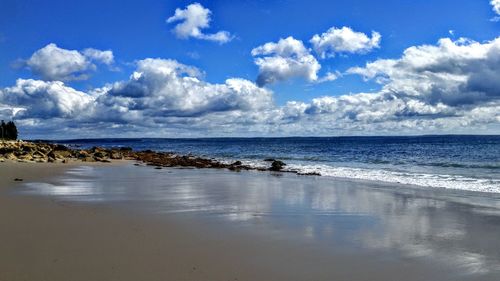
(11, 130)
(8, 130)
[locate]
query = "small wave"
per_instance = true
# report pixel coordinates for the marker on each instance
(491, 166)
(417, 179)
(407, 178)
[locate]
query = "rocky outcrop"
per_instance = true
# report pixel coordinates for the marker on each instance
(22, 151)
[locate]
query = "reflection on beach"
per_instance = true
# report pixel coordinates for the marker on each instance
(454, 229)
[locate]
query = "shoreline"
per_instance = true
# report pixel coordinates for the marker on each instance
(47, 152)
(44, 152)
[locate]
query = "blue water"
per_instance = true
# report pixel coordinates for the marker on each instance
(453, 162)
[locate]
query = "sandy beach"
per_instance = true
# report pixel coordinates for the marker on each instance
(217, 225)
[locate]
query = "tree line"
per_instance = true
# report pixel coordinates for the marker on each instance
(8, 131)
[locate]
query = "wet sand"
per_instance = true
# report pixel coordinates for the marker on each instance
(120, 222)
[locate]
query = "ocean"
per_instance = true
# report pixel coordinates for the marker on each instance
(470, 163)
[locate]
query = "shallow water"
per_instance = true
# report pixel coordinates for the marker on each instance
(450, 162)
(444, 229)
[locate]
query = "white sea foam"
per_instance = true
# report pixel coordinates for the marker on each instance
(418, 179)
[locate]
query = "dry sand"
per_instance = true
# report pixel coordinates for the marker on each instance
(45, 239)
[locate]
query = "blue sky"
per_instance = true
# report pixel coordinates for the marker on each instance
(136, 30)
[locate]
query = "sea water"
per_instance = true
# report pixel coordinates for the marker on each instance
(448, 162)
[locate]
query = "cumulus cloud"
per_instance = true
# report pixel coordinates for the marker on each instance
(344, 40)
(165, 88)
(105, 57)
(161, 94)
(455, 73)
(288, 58)
(159, 91)
(45, 100)
(329, 76)
(52, 63)
(496, 6)
(449, 87)
(193, 19)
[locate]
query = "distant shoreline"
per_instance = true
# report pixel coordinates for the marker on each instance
(264, 137)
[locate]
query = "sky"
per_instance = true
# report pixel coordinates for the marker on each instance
(78, 69)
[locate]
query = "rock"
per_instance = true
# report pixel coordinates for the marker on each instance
(26, 157)
(100, 159)
(115, 155)
(60, 147)
(88, 159)
(39, 154)
(10, 156)
(5, 150)
(277, 165)
(82, 154)
(95, 149)
(235, 168)
(60, 154)
(27, 149)
(100, 154)
(44, 152)
(51, 155)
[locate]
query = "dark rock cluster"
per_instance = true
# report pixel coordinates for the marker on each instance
(22, 151)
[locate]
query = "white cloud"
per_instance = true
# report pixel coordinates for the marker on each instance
(194, 18)
(52, 63)
(496, 9)
(344, 40)
(45, 100)
(105, 57)
(496, 6)
(161, 94)
(165, 88)
(284, 60)
(456, 73)
(329, 76)
(450, 87)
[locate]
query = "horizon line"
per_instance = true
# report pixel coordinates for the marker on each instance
(281, 137)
